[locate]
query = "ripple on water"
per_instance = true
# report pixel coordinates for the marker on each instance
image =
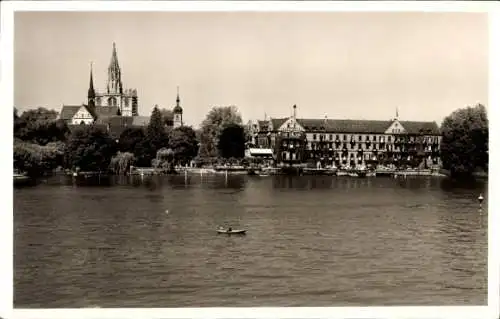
(310, 242)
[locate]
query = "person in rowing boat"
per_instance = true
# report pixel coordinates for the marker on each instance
(229, 229)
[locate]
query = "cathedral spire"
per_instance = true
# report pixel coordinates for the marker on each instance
(91, 84)
(114, 74)
(114, 59)
(91, 91)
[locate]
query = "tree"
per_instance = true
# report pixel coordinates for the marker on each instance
(464, 144)
(232, 141)
(165, 160)
(211, 128)
(184, 144)
(121, 162)
(130, 138)
(39, 114)
(39, 126)
(156, 133)
(156, 138)
(143, 153)
(18, 123)
(90, 149)
(36, 160)
(167, 116)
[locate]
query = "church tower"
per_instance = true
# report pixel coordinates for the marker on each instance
(91, 91)
(177, 112)
(114, 99)
(114, 74)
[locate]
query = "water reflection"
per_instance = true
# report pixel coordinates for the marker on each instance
(296, 182)
(448, 184)
(319, 182)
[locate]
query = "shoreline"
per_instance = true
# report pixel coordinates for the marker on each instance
(146, 171)
(277, 171)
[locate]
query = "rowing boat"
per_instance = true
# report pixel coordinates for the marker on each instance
(232, 232)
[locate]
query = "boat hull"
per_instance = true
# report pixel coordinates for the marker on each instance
(232, 232)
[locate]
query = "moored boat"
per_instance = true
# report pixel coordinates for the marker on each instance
(21, 179)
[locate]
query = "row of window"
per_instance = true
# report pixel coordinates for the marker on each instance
(368, 146)
(348, 146)
(345, 137)
(360, 159)
(289, 156)
(352, 157)
(112, 101)
(386, 149)
(361, 138)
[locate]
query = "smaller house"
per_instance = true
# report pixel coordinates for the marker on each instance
(85, 114)
(77, 114)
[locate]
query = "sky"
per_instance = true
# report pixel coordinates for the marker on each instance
(343, 65)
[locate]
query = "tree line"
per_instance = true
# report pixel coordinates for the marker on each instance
(464, 143)
(43, 143)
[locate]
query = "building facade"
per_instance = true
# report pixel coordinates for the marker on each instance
(350, 143)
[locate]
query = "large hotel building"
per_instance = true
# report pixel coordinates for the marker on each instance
(348, 143)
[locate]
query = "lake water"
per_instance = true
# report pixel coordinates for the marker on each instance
(311, 241)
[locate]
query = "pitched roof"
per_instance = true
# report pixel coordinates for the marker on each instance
(413, 127)
(116, 124)
(118, 120)
(277, 123)
(356, 126)
(345, 126)
(103, 111)
(68, 111)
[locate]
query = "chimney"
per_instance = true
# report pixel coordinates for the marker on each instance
(294, 112)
